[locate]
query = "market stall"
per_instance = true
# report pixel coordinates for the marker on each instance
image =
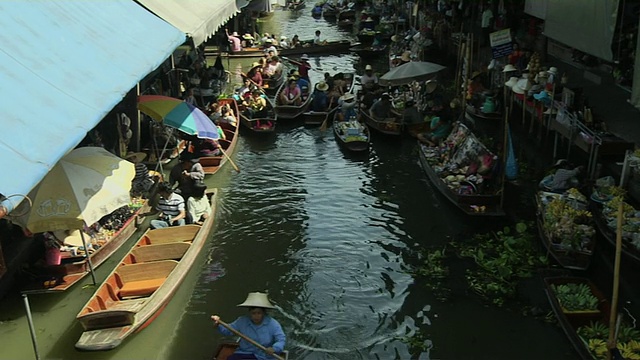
(465, 171)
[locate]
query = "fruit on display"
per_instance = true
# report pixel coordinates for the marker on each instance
(534, 64)
(575, 297)
(566, 224)
(595, 336)
(630, 220)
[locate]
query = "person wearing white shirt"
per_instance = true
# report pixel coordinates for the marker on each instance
(283, 42)
(198, 205)
(487, 20)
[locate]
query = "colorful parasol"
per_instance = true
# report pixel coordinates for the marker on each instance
(178, 114)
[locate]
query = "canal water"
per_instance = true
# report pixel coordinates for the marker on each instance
(331, 237)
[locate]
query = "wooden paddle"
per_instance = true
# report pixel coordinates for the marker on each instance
(250, 340)
(324, 124)
(229, 158)
(298, 63)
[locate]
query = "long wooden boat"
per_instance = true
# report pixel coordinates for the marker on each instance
(227, 348)
(629, 251)
(572, 321)
(211, 164)
(137, 290)
(351, 135)
(472, 113)
(368, 51)
(388, 127)
(262, 125)
(331, 47)
(568, 258)
(59, 278)
(469, 204)
(347, 14)
(346, 23)
(292, 111)
(312, 118)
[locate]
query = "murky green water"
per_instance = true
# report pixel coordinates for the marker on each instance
(330, 236)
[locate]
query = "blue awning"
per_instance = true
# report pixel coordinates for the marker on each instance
(64, 65)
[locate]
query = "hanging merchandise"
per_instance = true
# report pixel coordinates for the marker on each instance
(511, 165)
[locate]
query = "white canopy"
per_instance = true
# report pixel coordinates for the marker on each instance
(197, 18)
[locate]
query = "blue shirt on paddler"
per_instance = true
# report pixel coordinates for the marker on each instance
(302, 84)
(320, 101)
(268, 334)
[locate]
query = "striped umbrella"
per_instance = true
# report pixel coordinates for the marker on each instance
(178, 114)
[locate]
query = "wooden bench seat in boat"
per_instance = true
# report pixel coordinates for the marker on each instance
(136, 280)
(175, 234)
(168, 251)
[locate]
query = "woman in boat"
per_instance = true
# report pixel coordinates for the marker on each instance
(227, 116)
(198, 205)
(258, 326)
(439, 129)
(291, 95)
(255, 74)
(245, 90)
(347, 105)
(321, 101)
(256, 106)
(295, 42)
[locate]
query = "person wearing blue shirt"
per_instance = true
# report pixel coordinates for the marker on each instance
(320, 99)
(258, 326)
(302, 83)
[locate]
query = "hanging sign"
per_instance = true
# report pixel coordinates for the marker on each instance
(501, 43)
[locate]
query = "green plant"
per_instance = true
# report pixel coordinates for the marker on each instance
(418, 343)
(431, 270)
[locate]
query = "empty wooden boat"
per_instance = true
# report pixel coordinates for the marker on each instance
(211, 164)
(142, 284)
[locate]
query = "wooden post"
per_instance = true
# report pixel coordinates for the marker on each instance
(138, 120)
(505, 141)
(616, 278)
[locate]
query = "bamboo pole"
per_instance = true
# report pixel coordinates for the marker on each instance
(616, 279)
(505, 144)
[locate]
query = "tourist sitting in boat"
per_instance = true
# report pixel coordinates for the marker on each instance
(256, 106)
(247, 40)
(303, 84)
(171, 206)
(274, 67)
(369, 80)
(295, 42)
(381, 109)
(269, 47)
(234, 41)
(283, 42)
(258, 326)
(439, 129)
(321, 101)
(347, 110)
(244, 92)
(186, 174)
(291, 95)
(227, 116)
(317, 40)
(198, 205)
(264, 38)
(255, 74)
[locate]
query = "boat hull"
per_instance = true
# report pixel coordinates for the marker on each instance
(212, 164)
(332, 47)
(289, 112)
(384, 127)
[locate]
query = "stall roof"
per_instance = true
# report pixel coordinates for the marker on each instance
(197, 18)
(64, 65)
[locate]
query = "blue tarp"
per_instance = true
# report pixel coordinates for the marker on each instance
(64, 65)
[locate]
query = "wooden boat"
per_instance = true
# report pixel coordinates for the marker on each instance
(211, 164)
(312, 118)
(331, 47)
(296, 5)
(59, 278)
(388, 127)
(469, 204)
(226, 348)
(571, 321)
(260, 125)
(629, 251)
(351, 135)
(141, 285)
(347, 14)
(292, 111)
(346, 23)
(566, 257)
(474, 114)
(367, 51)
(329, 12)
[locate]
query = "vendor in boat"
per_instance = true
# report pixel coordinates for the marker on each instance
(439, 129)
(411, 115)
(255, 74)
(564, 177)
(171, 206)
(347, 110)
(186, 174)
(369, 80)
(234, 41)
(381, 109)
(321, 101)
(142, 182)
(432, 97)
(291, 95)
(247, 40)
(198, 205)
(303, 66)
(258, 326)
